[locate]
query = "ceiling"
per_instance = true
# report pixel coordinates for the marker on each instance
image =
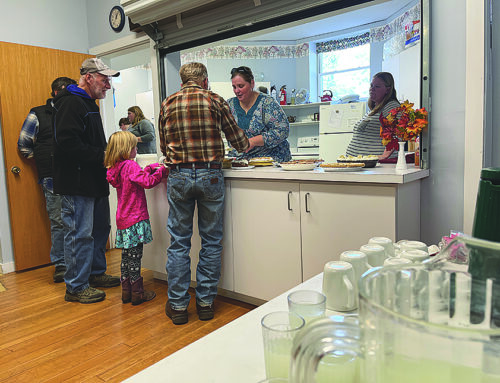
(323, 27)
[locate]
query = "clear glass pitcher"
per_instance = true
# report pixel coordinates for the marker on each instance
(416, 323)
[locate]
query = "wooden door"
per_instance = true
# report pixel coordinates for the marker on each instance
(26, 73)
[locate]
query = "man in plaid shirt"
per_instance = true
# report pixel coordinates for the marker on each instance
(35, 141)
(190, 126)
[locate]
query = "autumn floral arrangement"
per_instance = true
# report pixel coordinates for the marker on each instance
(402, 124)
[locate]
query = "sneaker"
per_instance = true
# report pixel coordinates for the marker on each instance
(177, 316)
(89, 295)
(205, 312)
(104, 280)
(59, 274)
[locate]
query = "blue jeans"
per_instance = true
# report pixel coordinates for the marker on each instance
(53, 205)
(87, 225)
(185, 188)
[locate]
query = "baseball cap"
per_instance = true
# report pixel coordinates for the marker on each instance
(95, 65)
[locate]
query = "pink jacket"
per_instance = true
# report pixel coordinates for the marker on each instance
(130, 180)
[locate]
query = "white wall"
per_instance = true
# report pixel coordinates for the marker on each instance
(442, 193)
(99, 31)
(57, 24)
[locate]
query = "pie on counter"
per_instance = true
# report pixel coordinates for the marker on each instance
(239, 163)
(342, 165)
(261, 161)
(369, 161)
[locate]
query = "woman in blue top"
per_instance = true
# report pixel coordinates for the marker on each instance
(261, 118)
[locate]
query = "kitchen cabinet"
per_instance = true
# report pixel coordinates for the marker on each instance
(280, 223)
(340, 217)
(266, 237)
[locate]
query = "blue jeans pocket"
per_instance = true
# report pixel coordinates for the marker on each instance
(213, 185)
(175, 186)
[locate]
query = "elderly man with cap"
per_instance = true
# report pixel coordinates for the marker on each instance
(80, 177)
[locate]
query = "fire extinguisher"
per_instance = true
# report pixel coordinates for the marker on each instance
(283, 95)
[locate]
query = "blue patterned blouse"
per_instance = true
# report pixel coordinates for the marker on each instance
(264, 118)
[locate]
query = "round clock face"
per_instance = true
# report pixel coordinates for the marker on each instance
(117, 18)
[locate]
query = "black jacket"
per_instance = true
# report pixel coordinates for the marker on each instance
(42, 150)
(79, 145)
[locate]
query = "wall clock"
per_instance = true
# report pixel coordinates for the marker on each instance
(117, 18)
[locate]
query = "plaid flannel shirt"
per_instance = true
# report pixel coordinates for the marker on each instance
(26, 144)
(190, 126)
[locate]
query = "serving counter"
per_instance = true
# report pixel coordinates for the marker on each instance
(281, 227)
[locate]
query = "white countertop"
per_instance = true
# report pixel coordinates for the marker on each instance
(382, 173)
(233, 353)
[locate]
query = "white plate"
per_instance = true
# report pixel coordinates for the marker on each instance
(298, 166)
(342, 169)
(242, 167)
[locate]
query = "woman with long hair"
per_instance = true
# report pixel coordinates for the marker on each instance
(366, 139)
(143, 129)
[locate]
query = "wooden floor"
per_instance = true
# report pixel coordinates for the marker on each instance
(45, 339)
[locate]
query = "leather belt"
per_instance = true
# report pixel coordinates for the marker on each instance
(196, 165)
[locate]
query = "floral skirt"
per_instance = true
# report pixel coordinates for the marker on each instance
(134, 235)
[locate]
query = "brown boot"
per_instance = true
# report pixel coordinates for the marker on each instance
(126, 290)
(139, 295)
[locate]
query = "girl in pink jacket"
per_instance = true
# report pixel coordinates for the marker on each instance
(132, 218)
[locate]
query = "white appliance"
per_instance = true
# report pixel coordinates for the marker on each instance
(307, 147)
(336, 123)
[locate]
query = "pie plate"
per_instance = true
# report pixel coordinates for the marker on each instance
(297, 166)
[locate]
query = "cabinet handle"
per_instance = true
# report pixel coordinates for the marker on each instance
(307, 206)
(289, 207)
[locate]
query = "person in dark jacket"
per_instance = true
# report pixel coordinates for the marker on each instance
(35, 141)
(80, 177)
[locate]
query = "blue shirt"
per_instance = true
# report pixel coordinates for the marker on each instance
(266, 118)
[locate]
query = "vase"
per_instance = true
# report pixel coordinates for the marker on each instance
(401, 164)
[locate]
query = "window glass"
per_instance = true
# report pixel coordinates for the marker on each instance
(345, 71)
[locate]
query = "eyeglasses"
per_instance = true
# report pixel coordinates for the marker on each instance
(241, 69)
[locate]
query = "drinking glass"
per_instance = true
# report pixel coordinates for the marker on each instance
(278, 330)
(309, 304)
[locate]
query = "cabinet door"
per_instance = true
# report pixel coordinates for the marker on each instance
(341, 217)
(266, 237)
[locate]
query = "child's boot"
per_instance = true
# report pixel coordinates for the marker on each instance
(126, 290)
(139, 295)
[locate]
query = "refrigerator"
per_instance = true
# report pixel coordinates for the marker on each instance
(336, 122)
